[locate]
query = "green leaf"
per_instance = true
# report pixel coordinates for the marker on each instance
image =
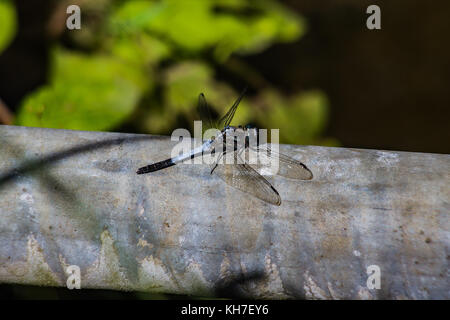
(8, 23)
(132, 17)
(185, 81)
(86, 93)
(141, 50)
(312, 107)
(197, 25)
(300, 118)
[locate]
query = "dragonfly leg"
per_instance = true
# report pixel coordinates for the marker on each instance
(217, 162)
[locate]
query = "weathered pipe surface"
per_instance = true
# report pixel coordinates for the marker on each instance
(73, 198)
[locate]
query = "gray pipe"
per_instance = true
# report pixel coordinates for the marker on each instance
(73, 198)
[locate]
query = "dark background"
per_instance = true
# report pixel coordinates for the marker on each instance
(388, 88)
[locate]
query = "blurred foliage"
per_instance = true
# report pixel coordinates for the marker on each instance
(219, 24)
(298, 117)
(7, 23)
(85, 92)
(141, 65)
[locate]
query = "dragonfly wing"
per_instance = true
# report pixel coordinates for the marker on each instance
(226, 119)
(244, 178)
(205, 112)
(287, 167)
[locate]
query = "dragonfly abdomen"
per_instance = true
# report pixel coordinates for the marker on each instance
(156, 166)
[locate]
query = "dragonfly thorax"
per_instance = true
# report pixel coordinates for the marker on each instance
(239, 136)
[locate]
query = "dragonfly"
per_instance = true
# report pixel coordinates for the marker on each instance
(235, 143)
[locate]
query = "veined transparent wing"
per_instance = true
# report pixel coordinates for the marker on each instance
(244, 178)
(270, 160)
(226, 119)
(206, 114)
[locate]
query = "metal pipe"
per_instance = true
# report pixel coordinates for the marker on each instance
(72, 198)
